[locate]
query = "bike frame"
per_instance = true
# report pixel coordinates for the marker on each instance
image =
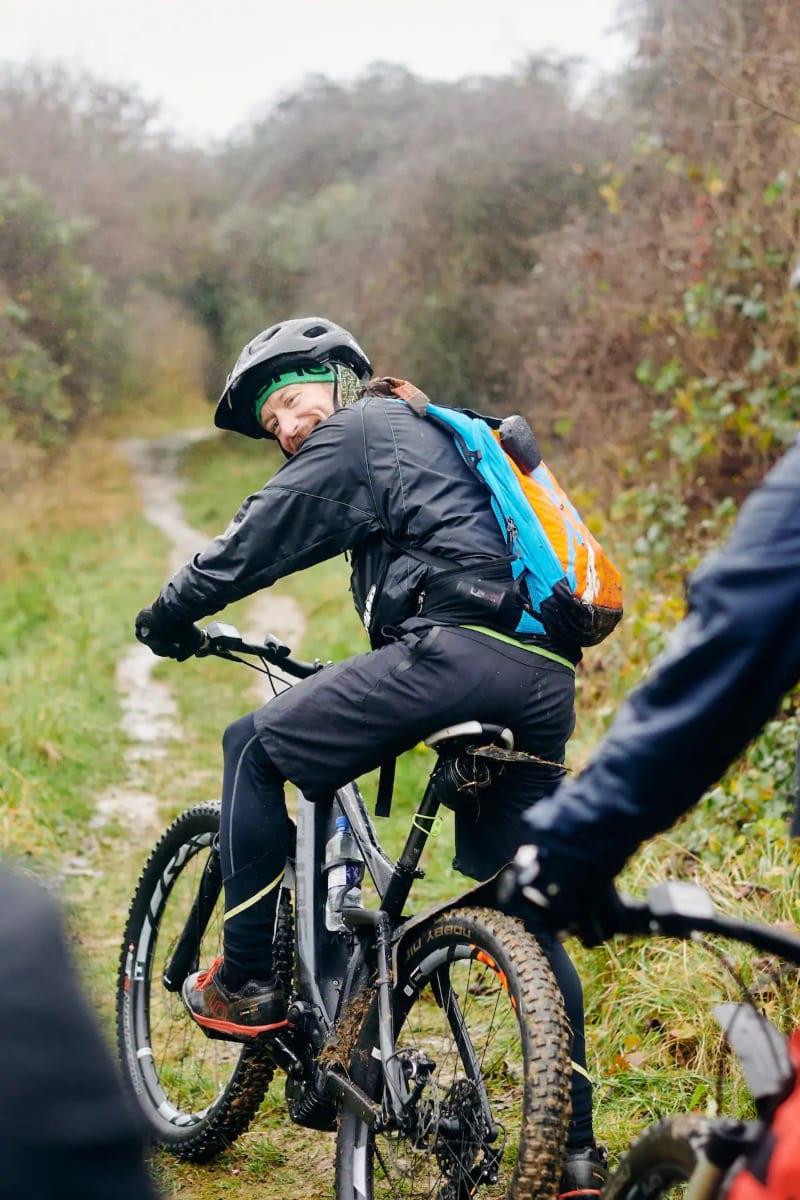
(321, 963)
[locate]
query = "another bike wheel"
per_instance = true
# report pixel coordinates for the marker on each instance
(197, 1094)
(481, 1038)
(661, 1160)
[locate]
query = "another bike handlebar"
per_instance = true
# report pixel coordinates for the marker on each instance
(678, 909)
(224, 641)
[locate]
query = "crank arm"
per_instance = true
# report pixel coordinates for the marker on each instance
(342, 1090)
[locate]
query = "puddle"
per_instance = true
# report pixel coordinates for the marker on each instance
(149, 713)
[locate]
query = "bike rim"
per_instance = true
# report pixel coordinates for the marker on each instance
(183, 1074)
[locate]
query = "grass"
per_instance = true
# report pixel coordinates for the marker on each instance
(74, 558)
(80, 561)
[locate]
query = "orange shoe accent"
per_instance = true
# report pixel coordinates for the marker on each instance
(248, 1031)
(579, 1192)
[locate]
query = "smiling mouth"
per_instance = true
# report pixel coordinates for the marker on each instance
(296, 442)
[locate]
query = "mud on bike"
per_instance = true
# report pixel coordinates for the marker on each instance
(692, 1155)
(434, 1044)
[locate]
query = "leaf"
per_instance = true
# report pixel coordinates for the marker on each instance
(644, 371)
(611, 197)
(637, 1058)
(699, 1093)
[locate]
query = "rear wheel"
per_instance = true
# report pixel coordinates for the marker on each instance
(197, 1094)
(660, 1162)
(481, 1038)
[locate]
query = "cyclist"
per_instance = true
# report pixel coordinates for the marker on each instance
(365, 476)
(65, 1128)
(721, 676)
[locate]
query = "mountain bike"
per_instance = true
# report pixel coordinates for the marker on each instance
(435, 1044)
(689, 1154)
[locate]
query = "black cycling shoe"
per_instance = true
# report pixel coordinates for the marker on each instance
(585, 1172)
(257, 1008)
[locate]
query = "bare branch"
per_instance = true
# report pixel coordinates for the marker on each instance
(794, 118)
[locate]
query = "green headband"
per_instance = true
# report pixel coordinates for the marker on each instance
(313, 373)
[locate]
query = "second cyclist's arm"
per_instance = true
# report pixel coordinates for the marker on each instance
(720, 678)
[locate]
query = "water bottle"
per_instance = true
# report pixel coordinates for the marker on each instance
(345, 870)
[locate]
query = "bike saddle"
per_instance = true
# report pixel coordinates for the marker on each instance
(455, 738)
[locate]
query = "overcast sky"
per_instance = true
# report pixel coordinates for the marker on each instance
(213, 63)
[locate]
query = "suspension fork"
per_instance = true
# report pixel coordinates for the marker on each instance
(186, 954)
(728, 1140)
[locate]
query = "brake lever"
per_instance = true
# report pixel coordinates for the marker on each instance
(204, 649)
(276, 646)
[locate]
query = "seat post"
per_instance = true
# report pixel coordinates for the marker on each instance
(406, 869)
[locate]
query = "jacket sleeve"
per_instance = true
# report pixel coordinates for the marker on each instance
(719, 679)
(316, 506)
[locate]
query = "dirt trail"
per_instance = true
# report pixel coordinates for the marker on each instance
(149, 712)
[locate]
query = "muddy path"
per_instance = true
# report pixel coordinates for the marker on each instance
(149, 713)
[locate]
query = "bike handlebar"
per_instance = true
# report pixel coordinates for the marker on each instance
(679, 909)
(224, 641)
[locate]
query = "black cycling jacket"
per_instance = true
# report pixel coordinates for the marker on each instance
(721, 676)
(368, 471)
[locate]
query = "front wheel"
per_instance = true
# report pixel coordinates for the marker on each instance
(481, 1038)
(661, 1160)
(197, 1094)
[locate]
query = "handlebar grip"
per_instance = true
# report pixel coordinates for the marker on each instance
(631, 917)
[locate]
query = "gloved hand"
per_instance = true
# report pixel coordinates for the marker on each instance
(165, 636)
(564, 901)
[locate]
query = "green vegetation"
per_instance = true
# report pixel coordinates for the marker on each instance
(73, 558)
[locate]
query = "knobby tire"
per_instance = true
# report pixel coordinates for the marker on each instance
(661, 1160)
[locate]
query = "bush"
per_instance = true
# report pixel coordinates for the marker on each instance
(63, 349)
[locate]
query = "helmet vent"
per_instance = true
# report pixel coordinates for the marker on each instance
(315, 331)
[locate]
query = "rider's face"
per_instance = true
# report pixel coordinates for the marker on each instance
(291, 412)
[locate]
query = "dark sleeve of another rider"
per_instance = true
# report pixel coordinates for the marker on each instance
(66, 1132)
(722, 675)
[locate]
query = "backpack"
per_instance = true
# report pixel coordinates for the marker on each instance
(574, 591)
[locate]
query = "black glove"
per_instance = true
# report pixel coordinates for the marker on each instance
(563, 900)
(166, 636)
